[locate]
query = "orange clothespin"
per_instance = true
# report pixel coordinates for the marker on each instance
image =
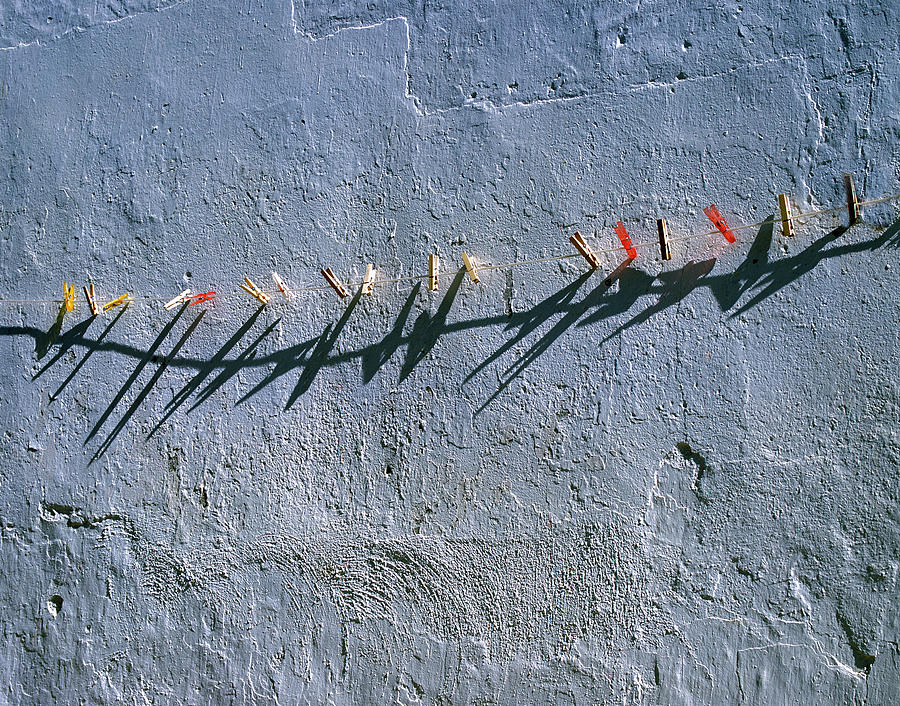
(254, 291)
(335, 283)
(719, 222)
(853, 209)
(433, 266)
(470, 267)
(124, 299)
(69, 296)
(787, 222)
(664, 250)
(91, 300)
(626, 241)
(582, 247)
(180, 299)
(368, 285)
(200, 298)
(282, 287)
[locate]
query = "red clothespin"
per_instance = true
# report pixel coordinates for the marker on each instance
(200, 298)
(719, 222)
(626, 241)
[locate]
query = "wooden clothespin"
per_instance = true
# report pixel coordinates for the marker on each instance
(787, 220)
(91, 300)
(282, 287)
(664, 250)
(124, 299)
(719, 222)
(626, 241)
(335, 283)
(69, 296)
(200, 298)
(470, 267)
(582, 247)
(368, 285)
(434, 264)
(180, 299)
(254, 291)
(853, 210)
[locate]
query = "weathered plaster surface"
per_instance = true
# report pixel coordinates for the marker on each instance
(682, 489)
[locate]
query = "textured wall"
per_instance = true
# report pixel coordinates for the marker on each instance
(680, 489)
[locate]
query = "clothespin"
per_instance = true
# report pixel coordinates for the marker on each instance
(470, 267)
(115, 302)
(180, 299)
(787, 222)
(254, 291)
(335, 283)
(585, 250)
(434, 263)
(200, 298)
(368, 285)
(69, 296)
(626, 241)
(664, 250)
(282, 287)
(91, 300)
(719, 222)
(853, 210)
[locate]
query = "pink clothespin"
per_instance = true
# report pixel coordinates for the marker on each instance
(200, 298)
(626, 241)
(719, 222)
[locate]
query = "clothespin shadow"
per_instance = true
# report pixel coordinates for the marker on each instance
(142, 395)
(375, 356)
(45, 343)
(90, 351)
(427, 329)
(728, 289)
(206, 369)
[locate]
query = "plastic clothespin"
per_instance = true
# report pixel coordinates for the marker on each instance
(254, 291)
(787, 222)
(124, 299)
(470, 267)
(368, 285)
(69, 296)
(335, 283)
(582, 247)
(91, 300)
(626, 241)
(180, 299)
(200, 298)
(282, 287)
(719, 222)
(434, 263)
(665, 251)
(853, 209)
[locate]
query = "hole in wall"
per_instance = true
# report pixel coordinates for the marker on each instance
(54, 605)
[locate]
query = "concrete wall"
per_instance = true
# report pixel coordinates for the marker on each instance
(680, 489)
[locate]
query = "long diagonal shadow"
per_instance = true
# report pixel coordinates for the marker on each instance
(148, 356)
(428, 329)
(43, 344)
(91, 348)
(728, 289)
(375, 356)
(142, 395)
(66, 342)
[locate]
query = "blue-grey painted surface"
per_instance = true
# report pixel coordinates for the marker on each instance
(681, 489)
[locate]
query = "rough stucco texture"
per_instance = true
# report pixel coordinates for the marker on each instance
(679, 489)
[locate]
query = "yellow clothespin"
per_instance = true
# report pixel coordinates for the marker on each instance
(282, 287)
(180, 299)
(368, 285)
(853, 209)
(254, 291)
(434, 264)
(470, 267)
(582, 247)
(124, 299)
(335, 283)
(91, 300)
(69, 296)
(664, 250)
(787, 220)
